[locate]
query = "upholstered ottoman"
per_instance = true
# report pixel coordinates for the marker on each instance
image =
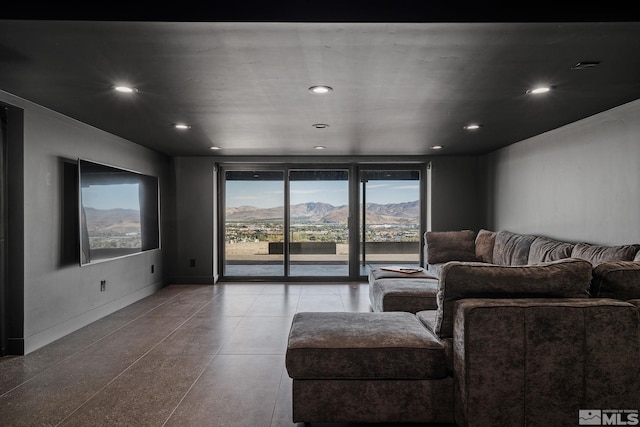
(367, 367)
(391, 291)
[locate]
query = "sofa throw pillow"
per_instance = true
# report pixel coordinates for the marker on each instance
(637, 258)
(445, 246)
(544, 249)
(566, 278)
(485, 240)
(511, 248)
(596, 254)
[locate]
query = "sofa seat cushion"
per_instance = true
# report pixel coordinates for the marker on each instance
(568, 278)
(436, 269)
(363, 346)
(598, 254)
(428, 319)
(403, 294)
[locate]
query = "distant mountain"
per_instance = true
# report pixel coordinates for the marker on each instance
(119, 221)
(312, 211)
(324, 213)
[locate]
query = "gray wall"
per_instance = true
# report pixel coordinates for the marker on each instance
(59, 296)
(455, 198)
(195, 203)
(580, 182)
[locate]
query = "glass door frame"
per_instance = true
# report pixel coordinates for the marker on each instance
(221, 218)
(422, 169)
(353, 218)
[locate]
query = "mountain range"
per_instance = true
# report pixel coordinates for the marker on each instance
(325, 213)
(116, 221)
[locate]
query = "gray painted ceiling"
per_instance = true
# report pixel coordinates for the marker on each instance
(399, 88)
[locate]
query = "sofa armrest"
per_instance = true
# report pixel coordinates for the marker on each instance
(616, 279)
(539, 361)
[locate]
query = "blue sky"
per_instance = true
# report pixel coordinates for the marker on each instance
(269, 194)
(124, 196)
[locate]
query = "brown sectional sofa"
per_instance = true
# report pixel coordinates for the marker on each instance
(616, 269)
(505, 330)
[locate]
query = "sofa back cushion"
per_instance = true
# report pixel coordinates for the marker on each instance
(544, 249)
(445, 246)
(485, 241)
(511, 248)
(598, 254)
(616, 279)
(567, 278)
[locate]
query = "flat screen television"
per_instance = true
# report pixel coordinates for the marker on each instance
(119, 212)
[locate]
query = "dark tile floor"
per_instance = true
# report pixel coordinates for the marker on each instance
(189, 355)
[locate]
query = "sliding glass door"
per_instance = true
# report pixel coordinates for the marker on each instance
(254, 223)
(390, 218)
(318, 222)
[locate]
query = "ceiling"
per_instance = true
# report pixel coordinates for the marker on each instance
(399, 88)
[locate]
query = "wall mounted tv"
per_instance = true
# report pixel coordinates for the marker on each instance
(119, 212)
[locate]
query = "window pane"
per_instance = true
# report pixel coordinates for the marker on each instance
(390, 228)
(319, 233)
(254, 223)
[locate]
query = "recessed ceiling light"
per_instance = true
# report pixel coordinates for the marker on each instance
(583, 65)
(214, 148)
(472, 126)
(125, 89)
(436, 147)
(181, 126)
(319, 147)
(320, 89)
(320, 125)
(538, 90)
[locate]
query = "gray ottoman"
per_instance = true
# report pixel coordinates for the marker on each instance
(390, 291)
(367, 367)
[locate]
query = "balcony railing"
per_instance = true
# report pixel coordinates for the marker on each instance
(264, 252)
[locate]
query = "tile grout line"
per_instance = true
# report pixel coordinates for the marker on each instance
(275, 403)
(173, 411)
(45, 370)
(178, 403)
(186, 393)
(284, 367)
(138, 359)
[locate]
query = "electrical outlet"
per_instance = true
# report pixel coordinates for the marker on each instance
(192, 263)
(103, 285)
